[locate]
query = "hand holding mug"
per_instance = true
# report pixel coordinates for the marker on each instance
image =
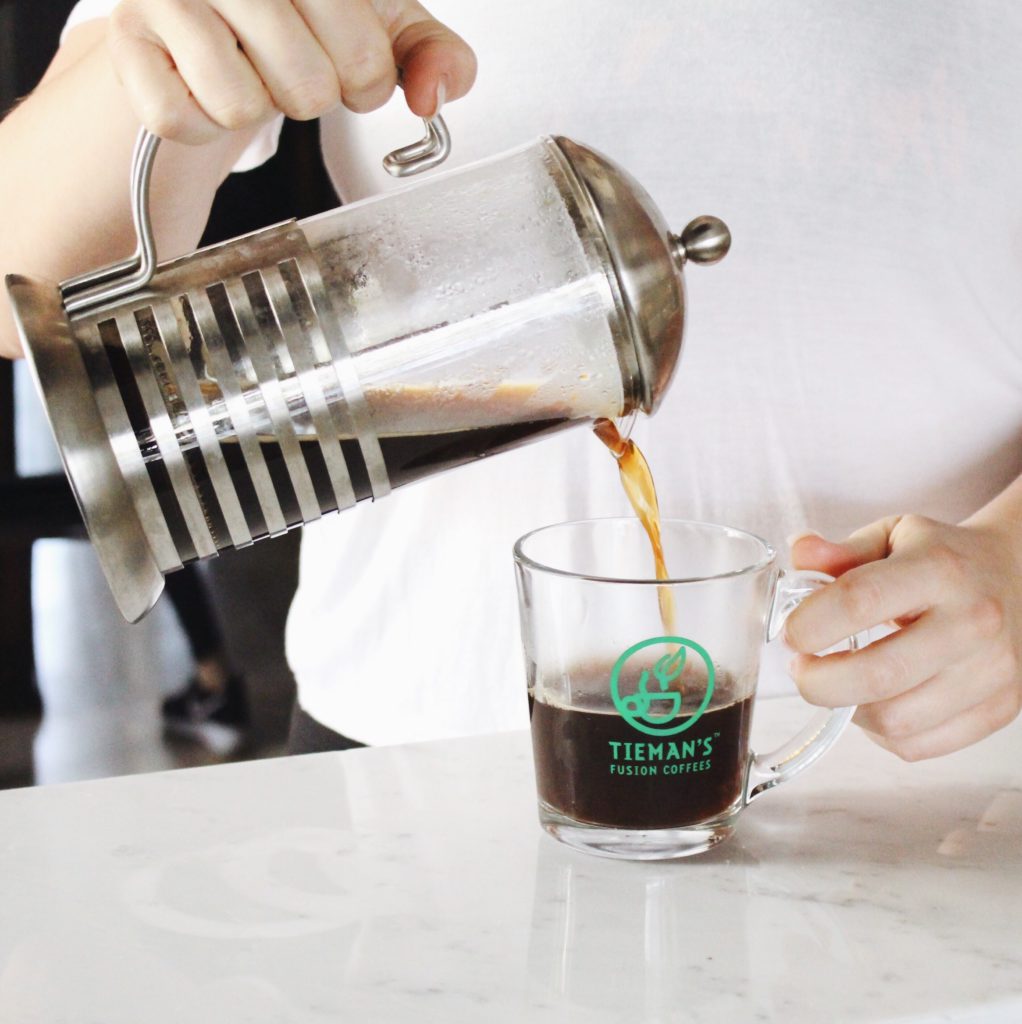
(950, 673)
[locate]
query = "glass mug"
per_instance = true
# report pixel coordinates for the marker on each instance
(640, 724)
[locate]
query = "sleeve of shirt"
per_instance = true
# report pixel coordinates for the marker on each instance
(264, 142)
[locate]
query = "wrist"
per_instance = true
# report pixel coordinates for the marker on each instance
(1002, 519)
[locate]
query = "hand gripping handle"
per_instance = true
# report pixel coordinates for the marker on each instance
(769, 770)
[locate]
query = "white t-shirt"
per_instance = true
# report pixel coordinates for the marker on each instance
(858, 353)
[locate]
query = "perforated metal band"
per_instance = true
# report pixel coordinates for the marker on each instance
(214, 331)
(299, 347)
(259, 345)
(126, 451)
(253, 356)
(185, 381)
(140, 360)
(329, 326)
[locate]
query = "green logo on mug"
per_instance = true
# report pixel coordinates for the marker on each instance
(655, 705)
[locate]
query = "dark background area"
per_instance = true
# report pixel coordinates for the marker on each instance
(292, 184)
(28, 36)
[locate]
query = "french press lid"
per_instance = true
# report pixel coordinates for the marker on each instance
(646, 259)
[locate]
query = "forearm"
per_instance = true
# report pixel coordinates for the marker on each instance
(65, 154)
(1003, 514)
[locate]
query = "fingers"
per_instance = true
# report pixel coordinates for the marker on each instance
(962, 730)
(889, 666)
(161, 99)
(358, 48)
(432, 57)
(159, 96)
(951, 675)
(953, 690)
(873, 541)
(194, 68)
(219, 75)
(865, 597)
(811, 551)
(290, 61)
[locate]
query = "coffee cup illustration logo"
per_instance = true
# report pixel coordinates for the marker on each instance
(653, 702)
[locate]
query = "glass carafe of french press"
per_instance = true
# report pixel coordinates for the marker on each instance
(253, 386)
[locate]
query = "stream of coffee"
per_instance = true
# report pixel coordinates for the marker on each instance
(637, 481)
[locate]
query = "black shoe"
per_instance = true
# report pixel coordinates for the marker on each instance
(217, 720)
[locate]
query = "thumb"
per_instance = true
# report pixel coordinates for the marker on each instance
(438, 64)
(873, 542)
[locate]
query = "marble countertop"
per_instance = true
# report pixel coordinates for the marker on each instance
(414, 884)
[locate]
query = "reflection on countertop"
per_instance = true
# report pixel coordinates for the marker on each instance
(413, 883)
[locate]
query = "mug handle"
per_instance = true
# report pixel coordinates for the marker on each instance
(768, 770)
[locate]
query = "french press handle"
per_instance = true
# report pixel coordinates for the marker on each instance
(97, 287)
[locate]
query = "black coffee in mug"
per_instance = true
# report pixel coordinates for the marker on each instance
(593, 766)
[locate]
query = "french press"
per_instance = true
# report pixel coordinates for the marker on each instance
(250, 387)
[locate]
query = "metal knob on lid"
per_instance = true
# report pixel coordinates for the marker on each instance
(705, 240)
